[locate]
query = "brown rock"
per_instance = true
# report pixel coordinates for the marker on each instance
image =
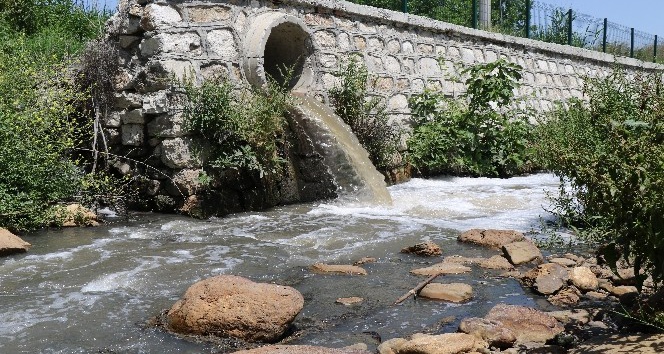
(490, 238)
(495, 262)
(566, 297)
(454, 292)
(527, 324)
(11, 244)
(490, 331)
(441, 268)
(583, 278)
(578, 316)
(234, 306)
(76, 215)
(522, 252)
(391, 346)
(614, 344)
(425, 249)
(301, 349)
(338, 269)
(448, 343)
(619, 291)
(546, 278)
(597, 296)
(349, 300)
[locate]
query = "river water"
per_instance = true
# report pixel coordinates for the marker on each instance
(93, 290)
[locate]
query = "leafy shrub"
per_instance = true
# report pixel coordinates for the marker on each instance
(476, 136)
(366, 116)
(38, 105)
(241, 127)
(610, 155)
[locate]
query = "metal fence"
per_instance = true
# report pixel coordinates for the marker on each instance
(536, 20)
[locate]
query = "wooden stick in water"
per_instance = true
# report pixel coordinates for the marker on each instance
(414, 291)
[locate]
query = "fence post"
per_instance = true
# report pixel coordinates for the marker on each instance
(631, 45)
(527, 18)
(404, 6)
(654, 51)
(569, 27)
(474, 14)
(606, 27)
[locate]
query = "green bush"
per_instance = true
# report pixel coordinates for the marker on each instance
(481, 135)
(39, 128)
(610, 155)
(240, 128)
(365, 115)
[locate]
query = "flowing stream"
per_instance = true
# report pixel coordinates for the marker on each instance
(93, 290)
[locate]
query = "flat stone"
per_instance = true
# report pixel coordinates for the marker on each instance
(621, 290)
(527, 324)
(441, 268)
(425, 249)
(490, 331)
(448, 343)
(522, 252)
(364, 260)
(565, 262)
(338, 269)
(546, 278)
(349, 300)
(490, 238)
(495, 262)
(583, 278)
(594, 295)
(208, 13)
(453, 292)
(159, 16)
(11, 244)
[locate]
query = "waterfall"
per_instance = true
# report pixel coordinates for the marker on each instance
(355, 177)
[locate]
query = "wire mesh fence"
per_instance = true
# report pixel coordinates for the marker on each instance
(536, 20)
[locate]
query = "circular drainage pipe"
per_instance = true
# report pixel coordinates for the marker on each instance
(275, 44)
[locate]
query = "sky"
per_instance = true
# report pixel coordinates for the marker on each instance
(643, 15)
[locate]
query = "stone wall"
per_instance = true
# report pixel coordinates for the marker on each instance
(244, 39)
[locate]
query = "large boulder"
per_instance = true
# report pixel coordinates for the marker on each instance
(11, 244)
(490, 238)
(228, 305)
(454, 292)
(546, 278)
(493, 332)
(300, 349)
(583, 278)
(527, 324)
(448, 343)
(522, 252)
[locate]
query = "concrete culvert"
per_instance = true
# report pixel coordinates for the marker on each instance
(278, 43)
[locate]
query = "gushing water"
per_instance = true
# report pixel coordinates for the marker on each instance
(91, 290)
(355, 176)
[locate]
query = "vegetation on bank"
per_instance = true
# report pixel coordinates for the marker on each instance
(367, 116)
(41, 119)
(478, 134)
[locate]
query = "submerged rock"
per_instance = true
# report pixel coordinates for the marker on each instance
(425, 249)
(233, 306)
(522, 252)
(442, 268)
(490, 238)
(493, 332)
(11, 244)
(454, 292)
(301, 349)
(527, 324)
(349, 300)
(338, 269)
(364, 260)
